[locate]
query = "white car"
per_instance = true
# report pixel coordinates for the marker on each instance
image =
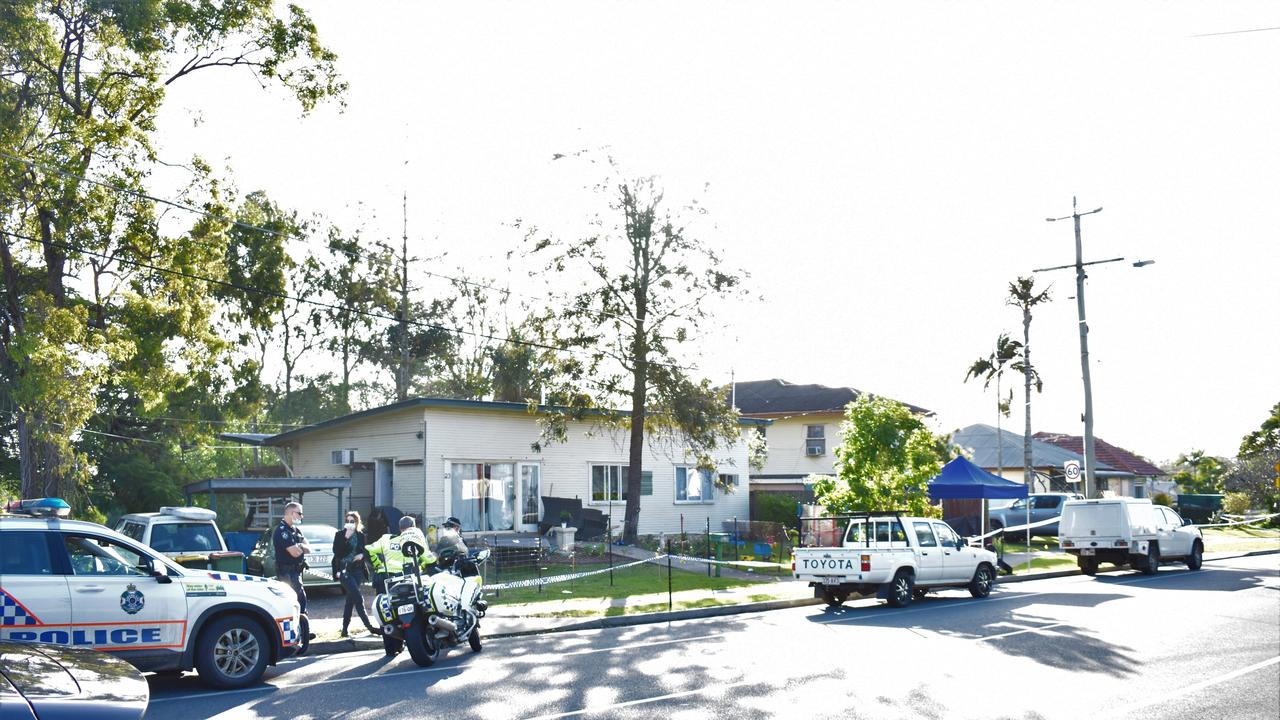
(67, 582)
(175, 531)
(1127, 531)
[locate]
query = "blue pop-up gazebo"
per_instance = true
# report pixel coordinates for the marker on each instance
(962, 479)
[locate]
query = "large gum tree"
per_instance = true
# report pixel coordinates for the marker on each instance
(648, 289)
(85, 303)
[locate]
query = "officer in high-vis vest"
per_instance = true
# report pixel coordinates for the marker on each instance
(388, 557)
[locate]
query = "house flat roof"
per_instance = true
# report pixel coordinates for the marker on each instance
(268, 485)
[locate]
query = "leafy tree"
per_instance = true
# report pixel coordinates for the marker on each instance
(429, 342)
(1196, 472)
(885, 460)
(1265, 438)
(520, 365)
(358, 285)
(649, 287)
(992, 368)
(1023, 295)
(84, 81)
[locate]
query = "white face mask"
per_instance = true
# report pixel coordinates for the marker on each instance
(350, 526)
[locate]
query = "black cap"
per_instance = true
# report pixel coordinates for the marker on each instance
(453, 522)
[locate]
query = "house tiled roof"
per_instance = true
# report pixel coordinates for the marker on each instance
(1116, 457)
(981, 443)
(775, 397)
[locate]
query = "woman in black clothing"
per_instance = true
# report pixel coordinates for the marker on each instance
(349, 569)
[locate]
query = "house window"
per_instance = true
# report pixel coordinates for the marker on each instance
(609, 483)
(815, 440)
(729, 481)
(694, 485)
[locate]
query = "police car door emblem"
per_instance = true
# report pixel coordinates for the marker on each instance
(132, 600)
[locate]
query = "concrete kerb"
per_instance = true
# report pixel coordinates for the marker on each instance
(373, 642)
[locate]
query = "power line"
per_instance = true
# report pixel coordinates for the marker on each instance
(1237, 32)
(317, 303)
(249, 226)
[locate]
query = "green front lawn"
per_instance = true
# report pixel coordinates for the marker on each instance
(638, 580)
(1240, 538)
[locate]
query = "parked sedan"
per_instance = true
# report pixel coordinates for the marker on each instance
(49, 682)
(1043, 506)
(262, 561)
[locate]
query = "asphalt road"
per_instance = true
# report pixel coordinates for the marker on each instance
(1180, 644)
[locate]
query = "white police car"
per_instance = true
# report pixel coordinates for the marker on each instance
(68, 582)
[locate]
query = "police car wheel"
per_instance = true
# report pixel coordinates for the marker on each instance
(232, 652)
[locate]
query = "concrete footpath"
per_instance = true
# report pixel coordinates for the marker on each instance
(568, 614)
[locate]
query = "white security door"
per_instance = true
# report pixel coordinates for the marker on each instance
(383, 482)
(530, 497)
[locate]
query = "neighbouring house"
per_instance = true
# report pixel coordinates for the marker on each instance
(804, 432)
(438, 457)
(1047, 459)
(1143, 478)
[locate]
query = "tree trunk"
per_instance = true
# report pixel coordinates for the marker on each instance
(631, 521)
(55, 258)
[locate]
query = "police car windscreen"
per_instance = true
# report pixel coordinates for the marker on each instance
(185, 537)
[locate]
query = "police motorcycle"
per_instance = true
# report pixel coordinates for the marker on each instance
(428, 613)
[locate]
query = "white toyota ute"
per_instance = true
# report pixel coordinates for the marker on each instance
(68, 582)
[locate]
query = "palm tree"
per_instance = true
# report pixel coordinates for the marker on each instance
(1023, 295)
(992, 368)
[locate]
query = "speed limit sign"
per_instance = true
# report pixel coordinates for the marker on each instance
(1072, 468)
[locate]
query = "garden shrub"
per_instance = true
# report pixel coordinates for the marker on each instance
(1162, 498)
(1236, 503)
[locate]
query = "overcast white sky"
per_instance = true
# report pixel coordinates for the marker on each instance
(882, 170)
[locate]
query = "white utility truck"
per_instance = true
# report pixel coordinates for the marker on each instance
(894, 557)
(1127, 531)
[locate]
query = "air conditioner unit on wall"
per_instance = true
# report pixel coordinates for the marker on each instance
(813, 450)
(342, 457)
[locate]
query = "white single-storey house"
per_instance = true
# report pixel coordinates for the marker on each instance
(474, 460)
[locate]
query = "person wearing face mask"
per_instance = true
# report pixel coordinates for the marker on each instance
(291, 550)
(349, 569)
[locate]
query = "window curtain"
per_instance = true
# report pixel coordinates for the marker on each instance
(484, 495)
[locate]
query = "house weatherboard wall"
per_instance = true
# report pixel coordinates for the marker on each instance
(439, 457)
(804, 432)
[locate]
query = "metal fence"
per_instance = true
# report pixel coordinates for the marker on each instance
(533, 569)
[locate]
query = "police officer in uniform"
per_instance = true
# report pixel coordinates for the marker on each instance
(291, 551)
(453, 549)
(387, 555)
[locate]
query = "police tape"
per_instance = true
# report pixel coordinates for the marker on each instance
(1245, 521)
(551, 579)
(709, 561)
(1014, 529)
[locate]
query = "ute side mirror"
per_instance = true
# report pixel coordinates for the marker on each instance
(1187, 521)
(961, 544)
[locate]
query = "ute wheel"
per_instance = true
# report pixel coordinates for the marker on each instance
(474, 639)
(392, 645)
(980, 585)
(1196, 558)
(232, 652)
(1152, 564)
(834, 597)
(900, 589)
(1088, 565)
(421, 641)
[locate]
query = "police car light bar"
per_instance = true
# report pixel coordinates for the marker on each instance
(40, 507)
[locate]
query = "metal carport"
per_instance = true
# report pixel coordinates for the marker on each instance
(268, 486)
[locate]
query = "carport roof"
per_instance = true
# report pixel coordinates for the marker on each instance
(267, 485)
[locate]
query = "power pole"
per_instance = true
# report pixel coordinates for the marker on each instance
(1090, 485)
(402, 378)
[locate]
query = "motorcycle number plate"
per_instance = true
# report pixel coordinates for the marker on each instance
(404, 609)
(1086, 551)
